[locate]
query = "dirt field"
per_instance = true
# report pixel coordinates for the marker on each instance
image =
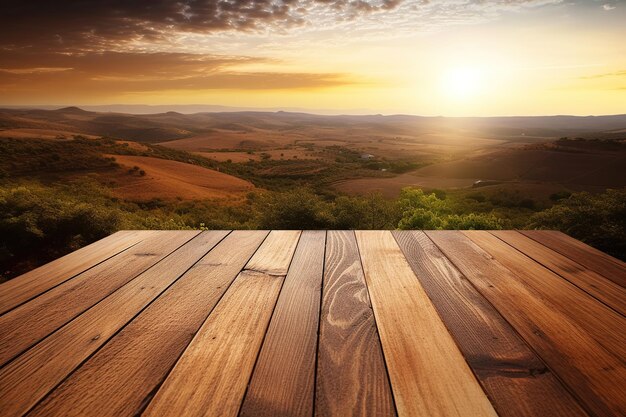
(170, 179)
(390, 187)
(597, 168)
(227, 139)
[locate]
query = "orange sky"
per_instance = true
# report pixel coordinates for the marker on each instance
(454, 58)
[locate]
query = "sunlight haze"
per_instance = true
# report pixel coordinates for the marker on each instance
(452, 58)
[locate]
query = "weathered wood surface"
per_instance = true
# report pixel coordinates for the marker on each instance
(351, 374)
(610, 293)
(27, 324)
(122, 377)
(514, 377)
(283, 379)
(596, 376)
(41, 368)
(211, 376)
(591, 258)
(315, 323)
(598, 320)
(40, 280)
(428, 373)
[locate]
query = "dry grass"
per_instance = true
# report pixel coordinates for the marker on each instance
(25, 133)
(390, 187)
(170, 180)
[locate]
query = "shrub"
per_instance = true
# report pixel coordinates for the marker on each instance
(51, 221)
(427, 211)
(295, 209)
(371, 212)
(599, 220)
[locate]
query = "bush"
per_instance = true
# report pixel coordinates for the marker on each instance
(49, 222)
(427, 211)
(599, 220)
(295, 209)
(371, 212)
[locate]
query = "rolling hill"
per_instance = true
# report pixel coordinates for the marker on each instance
(166, 179)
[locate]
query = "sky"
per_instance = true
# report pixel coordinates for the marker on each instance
(425, 57)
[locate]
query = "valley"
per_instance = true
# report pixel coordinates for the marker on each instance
(71, 176)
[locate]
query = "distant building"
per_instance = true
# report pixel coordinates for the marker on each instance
(367, 156)
(484, 183)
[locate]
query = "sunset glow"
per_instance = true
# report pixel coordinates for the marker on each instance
(464, 58)
(462, 83)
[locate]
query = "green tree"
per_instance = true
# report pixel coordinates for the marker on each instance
(599, 220)
(51, 221)
(370, 212)
(427, 211)
(295, 209)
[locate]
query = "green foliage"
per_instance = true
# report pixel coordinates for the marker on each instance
(427, 211)
(560, 195)
(370, 212)
(512, 199)
(26, 157)
(599, 220)
(48, 222)
(44, 219)
(295, 209)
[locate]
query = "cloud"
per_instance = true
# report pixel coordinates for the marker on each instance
(118, 46)
(110, 25)
(90, 25)
(608, 7)
(605, 75)
(110, 74)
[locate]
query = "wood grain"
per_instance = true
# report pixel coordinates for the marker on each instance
(351, 375)
(122, 377)
(218, 362)
(593, 259)
(29, 377)
(596, 319)
(284, 323)
(428, 373)
(514, 377)
(282, 383)
(275, 257)
(595, 376)
(594, 284)
(31, 284)
(29, 323)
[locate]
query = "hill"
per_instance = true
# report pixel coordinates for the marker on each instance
(62, 185)
(155, 178)
(573, 164)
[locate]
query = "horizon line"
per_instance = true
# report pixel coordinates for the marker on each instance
(218, 108)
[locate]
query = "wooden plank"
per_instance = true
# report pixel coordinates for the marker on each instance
(591, 282)
(593, 259)
(595, 376)
(283, 380)
(29, 377)
(31, 284)
(351, 374)
(429, 376)
(29, 323)
(210, 378)
(275, 257)
(599, 321)
(121, 378)
(514, 377)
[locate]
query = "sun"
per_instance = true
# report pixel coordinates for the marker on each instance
(462, 83)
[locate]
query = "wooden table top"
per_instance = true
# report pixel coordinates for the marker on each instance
(324, 323)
